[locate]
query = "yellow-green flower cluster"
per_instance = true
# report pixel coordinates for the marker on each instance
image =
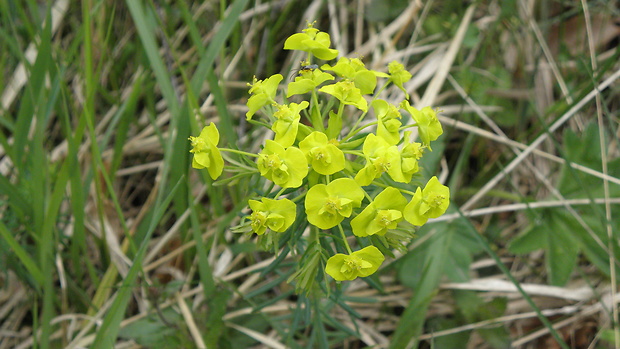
(336, 174)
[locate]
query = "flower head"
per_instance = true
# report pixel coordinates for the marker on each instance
(409, 155)
(355, 70)
(263, 92)
(312, 41)
(388, 123)
(398, 75)
(324, 156)
(347, 93)
(327, 205)
(383, 213)
(206, 153)
(277, 215)
(285, 167)
(360, 263)
(287, 122)
(430, 202)
(380, 157)
(429, 127)
(307, 81)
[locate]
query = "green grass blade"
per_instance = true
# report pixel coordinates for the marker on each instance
(108, 331)
(22, 255)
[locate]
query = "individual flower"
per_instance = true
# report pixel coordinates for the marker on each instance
(327, 205)
(399, 75)
(409, 156)
(206, 153)
(383, 213)
(388, 123)
(285, 167)
(347, 93)
(380, 157)
(430, 202)
(429, 127)
(324, 156)
(277, 215)
(360, 263)
(312, 41)
(307, 81)
(355, 70)
(263, 93)
(287, 122)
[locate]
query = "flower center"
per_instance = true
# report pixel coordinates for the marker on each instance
(199, 145)
(353, 264)
(258, 220)
(387, 218)
(434, 200)
(319, 154)
(332, 205)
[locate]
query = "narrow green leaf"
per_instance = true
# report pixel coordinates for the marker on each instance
(22, 255)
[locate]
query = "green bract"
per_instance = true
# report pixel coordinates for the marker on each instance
(307, 82)
(398, 75)
(277, 215)
(429, 127)
(285, 167)
(324, 156)
(354, 70)
(380, 157)
(328, 205)
(358, 264)
(347, 93)
(409, 155)
(287, 122)
(263, 93)
(387, 121)
(430, 202)
(383, 213)
(206, 153)
(312, 41)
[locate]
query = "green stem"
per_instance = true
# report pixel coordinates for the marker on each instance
(353, 152)
(315, 114)
(383, 185)
(344, 238)
(356, 131)
(240, 152)
(280, 192)
(260, 123)
(407, 126)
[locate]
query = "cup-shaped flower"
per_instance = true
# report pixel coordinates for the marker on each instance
(355, 70)
(263, 93)
(430, 202)
(307, 81)
(429, 127)
(399, 75)
(276, 215)
(388, 122)
(327, 205)
(409, 155)
(347, 93)
(312, 41)
(383, 213)
(285, 167)
(324, 156)
(287, 122)
(360, 263)
(206, 153)
(380, 157)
